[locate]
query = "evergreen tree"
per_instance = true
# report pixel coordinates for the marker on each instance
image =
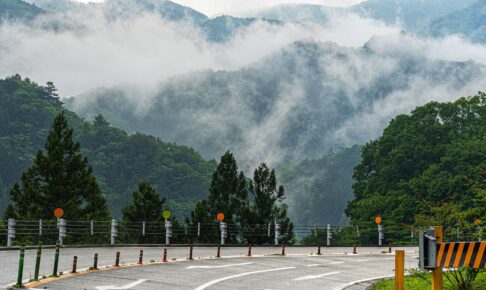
(228, 190)
(50, 93)
(146, 205)
(61, 177)
(267, 207)
(100, 121)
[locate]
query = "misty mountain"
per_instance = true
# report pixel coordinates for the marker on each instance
(299, 13)
(18, 10)
(222, 28)
(469, 22)
(413, 15)
(300, 102)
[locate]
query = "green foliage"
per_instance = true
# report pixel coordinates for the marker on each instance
(61, 177)
(434, 156)
(120, 161)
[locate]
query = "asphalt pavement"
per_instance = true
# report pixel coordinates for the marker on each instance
(299, 269)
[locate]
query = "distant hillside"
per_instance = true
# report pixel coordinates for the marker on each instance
(412, 14)
(18, 10)
(299, 13)
(469, 22)
(120, 161)
(222, 28)
(320, 189)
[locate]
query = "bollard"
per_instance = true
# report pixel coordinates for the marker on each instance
(21, 268)
(354, 249)
(319, 250)
(95, 262)
(437, 278)
(218, 253)
(165, 256)
(190, 253)
(283, 249)
(37, 262)
(75, 264)
(140, 258)
(249, 250)
(389, 247)
(399, 270)
(56, 260)
(117, 261)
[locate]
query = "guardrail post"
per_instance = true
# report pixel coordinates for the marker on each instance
(380, 235)
(40, 227)
(437, 279)
(37, 262)
(10, 232)
(21, 268)
(75, 264)
(165, 256)
(399, 270)
(62, 231)
(277, 233)
(114, 231)
(329, 235)
(56, 260)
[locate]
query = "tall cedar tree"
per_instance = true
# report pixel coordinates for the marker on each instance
(267, 207)
(61, 178)
(146, 205)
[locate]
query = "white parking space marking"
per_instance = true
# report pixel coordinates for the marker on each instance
(335, 263)
(309, 277)
(206, 285)
(313, 265)
(219, 266)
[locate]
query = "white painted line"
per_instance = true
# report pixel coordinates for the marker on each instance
(341, 287)
(219, 266)
(362, 260)
(206, 285)
(309, 277)
(128, 286)
(389, 259)
(336, 262)
(313, 265)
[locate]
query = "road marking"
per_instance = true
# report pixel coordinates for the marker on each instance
(216, 267)
(128, 286)
(309, 277)
(313, 265)
(389, 259)
(206, 285)
(343, 286)
(362, 260)
(335, 263)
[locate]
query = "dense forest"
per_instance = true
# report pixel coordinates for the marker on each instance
(120, 160)
(428, 168)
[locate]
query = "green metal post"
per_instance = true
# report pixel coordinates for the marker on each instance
(56, 260)
(37, 262)
(21, 268)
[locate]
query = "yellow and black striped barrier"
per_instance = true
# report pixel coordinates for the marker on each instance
(462, 254)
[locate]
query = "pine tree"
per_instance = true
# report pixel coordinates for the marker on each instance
(100, 121)
(61, 177)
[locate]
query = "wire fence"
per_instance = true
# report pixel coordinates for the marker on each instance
(122, 232)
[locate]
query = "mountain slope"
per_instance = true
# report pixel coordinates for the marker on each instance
(120, 161)
(223, 28)
(298, 103)
(469, 22)
(412, 14)
(299, 13)
(18, 10)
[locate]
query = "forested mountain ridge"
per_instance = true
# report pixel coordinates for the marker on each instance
(120, 160)
(427, 167)
(18, 10)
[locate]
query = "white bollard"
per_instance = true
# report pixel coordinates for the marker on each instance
(223, 228)
(62, 231)
(381, 236)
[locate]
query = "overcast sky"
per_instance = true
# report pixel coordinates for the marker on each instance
(215, 7)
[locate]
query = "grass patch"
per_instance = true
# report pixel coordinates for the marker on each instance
(422, 281)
